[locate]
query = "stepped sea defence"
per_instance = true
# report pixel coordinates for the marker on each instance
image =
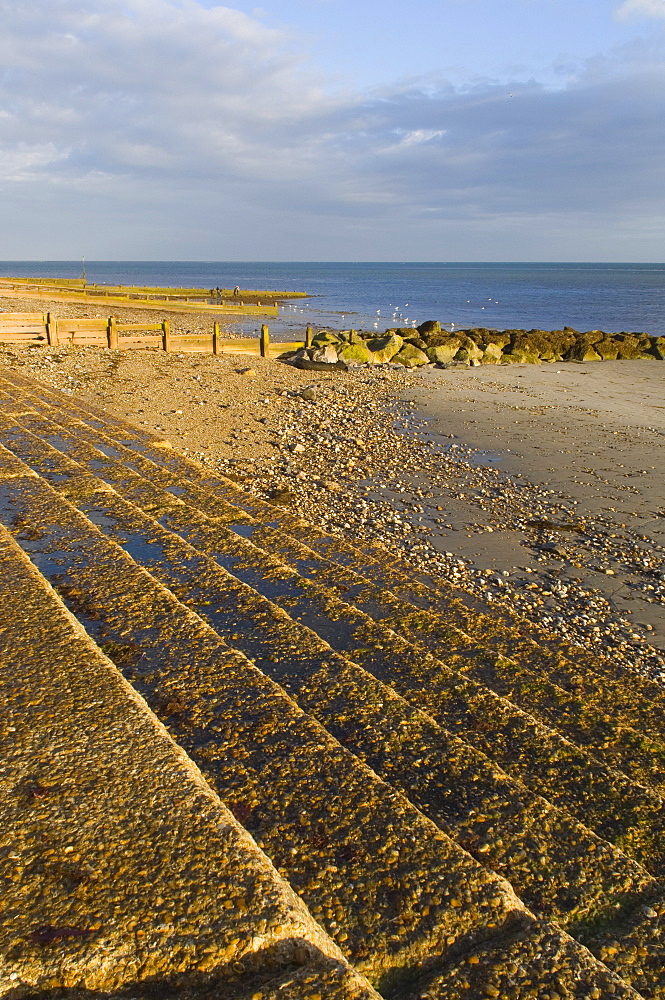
(355, 723)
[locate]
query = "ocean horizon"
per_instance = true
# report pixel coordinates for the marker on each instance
(614, 297)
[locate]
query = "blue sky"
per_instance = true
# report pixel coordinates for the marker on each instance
(333, 130)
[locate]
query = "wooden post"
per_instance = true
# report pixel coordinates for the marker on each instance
(264, 341)
(112, 334)
(166, 335)
(215, 338)
(309, 332)
(51, 330)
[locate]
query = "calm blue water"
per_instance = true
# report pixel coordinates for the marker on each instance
(610, 297)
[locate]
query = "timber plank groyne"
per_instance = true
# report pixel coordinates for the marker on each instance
(42, 329)
(235, 301)
(442, 832)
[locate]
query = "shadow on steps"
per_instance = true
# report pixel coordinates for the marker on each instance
(265, 974)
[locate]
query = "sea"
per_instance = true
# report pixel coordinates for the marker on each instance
(376, 296)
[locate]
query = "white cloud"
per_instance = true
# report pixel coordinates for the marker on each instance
(21, 162)
(165, 127)
(640, 8)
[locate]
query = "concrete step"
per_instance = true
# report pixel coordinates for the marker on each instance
(620, 718)
(89, 484)
(592, 715)
(403, 897)
(121, 867)
(400, 895)
(536, 965)
(494, 625)
(574, 893)
(600, 796)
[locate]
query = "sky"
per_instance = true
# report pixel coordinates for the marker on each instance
(332, 130)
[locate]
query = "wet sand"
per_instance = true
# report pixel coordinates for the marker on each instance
(590, 438)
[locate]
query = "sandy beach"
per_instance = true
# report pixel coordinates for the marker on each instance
(585, 445)
(536, 488)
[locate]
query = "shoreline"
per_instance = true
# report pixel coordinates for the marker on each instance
(584, 444)
(369, 454)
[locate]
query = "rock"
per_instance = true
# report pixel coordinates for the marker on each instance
(468, 351)
(327, 354)
(608, 349)
(282, 497)
(386, 347)
(658, 347)
(316, 366)
(540, 342)
(633, 346)
(309, 394)
(582, 352)
(520, 354)
(492, 354)
(411, 357)
(444, 348)
(429, 327)
(484, 337)
(444, 338)
(355, 337)
(417, 342)
(247, 371)
(358, 354)
(325, 337)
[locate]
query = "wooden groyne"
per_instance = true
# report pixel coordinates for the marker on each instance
(45, 329)
(220, 300)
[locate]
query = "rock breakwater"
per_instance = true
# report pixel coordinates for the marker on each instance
(429, 343)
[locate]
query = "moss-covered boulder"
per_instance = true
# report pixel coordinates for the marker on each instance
(546, 345)
(386, 347)
(358, 354)
(492, 355)
(658, 347)
(633, 346)
(584, 349)
(520, 355)
(325, 337)
(444, 338)
(630, 346)
(607, 348)
(444, 350)
(484, 337)
(411, 357)
(468, 350)
(428, 328)
(562, 340)
(417, 342)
